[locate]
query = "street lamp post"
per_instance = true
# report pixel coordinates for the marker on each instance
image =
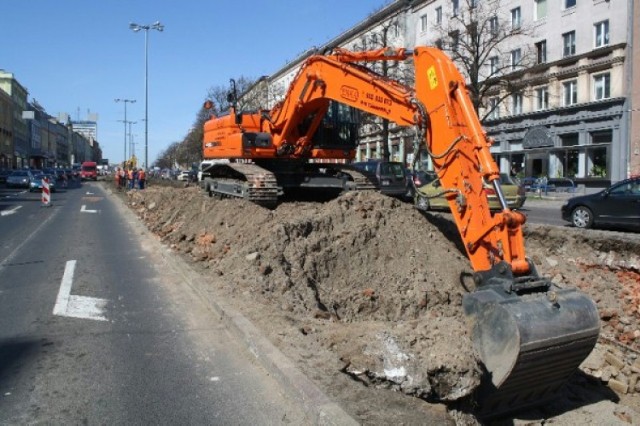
(126, 101)
(131, 152)
(135, 27)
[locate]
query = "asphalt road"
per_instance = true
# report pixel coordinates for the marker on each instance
(95, 328)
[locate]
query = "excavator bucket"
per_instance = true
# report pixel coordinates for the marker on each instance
(531, 336)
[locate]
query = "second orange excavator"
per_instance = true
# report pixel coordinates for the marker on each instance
(530, 333)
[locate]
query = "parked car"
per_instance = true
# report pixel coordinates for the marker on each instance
(532, 184)
(390, 176)
(3, 175)
(19, 179)
(36, 183)
(618, 205)
(184, 175)
(432, 196)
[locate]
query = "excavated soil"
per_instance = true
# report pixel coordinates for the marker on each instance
(364, 293)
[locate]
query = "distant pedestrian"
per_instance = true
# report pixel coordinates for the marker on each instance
(141, 178)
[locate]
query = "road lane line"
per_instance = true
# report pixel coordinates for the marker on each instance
(12, 211)
(62, 302)
(68, 305)
(15, 251)
(83, 209)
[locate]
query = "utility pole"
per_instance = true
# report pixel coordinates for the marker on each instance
(126, 101)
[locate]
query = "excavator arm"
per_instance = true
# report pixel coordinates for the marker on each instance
(440, 109)
(530, 333)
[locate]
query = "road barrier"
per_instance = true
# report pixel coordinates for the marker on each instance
(46, 193)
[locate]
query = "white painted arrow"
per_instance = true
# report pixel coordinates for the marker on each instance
(84, 307)
(83, 209)
(12, 211)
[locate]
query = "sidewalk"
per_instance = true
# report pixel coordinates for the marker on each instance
(554, 197)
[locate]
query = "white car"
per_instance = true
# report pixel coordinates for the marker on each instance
(184, 175)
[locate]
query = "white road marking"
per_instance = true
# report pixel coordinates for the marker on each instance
(84, 307)
(8, 212)
(89, 193)
(83, 209)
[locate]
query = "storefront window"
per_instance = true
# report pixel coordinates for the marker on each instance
(597, 162)
(572, 163)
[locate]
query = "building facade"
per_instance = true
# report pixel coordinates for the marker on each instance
(568, 105)
(30, 137)
(10, 85)
(6, 131)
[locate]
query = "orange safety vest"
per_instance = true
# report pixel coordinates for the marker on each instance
(130, 175)
(141, 175)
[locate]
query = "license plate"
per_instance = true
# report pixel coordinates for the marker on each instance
(385, 183)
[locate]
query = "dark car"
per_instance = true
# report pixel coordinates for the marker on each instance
(390, 176)
(3, 175)
(20, 179)
(37, 182)
(618, 205)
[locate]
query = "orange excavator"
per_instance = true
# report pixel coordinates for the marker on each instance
(530, 333)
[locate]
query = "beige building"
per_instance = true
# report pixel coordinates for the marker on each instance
(568, 100)
(18, 93)
(6, 131)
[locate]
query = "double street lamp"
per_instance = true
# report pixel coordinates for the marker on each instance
(136, 27)
(126, 101)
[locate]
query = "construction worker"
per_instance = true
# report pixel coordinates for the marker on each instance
(123, 179)
(117, 178)
(130, 177)
(141, 178)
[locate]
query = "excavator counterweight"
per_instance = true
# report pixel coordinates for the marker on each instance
(530, 333)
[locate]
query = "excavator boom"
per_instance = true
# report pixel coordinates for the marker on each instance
(530, 334)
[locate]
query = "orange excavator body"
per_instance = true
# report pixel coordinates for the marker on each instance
(525, 326)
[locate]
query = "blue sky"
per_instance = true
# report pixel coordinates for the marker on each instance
(77, 56)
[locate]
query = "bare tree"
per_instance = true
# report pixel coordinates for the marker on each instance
(489, 44)
(382, 36)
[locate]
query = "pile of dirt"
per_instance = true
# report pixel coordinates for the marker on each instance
(368, 288)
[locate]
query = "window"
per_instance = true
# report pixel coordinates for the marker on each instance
(473, 3)
(515, 18)
(541, 50)
(423, 23)
(494, 110)
(542, 98)
(601, 86)
(455, 38)
(516, 56)
(570, 89)
(569, 4)
(569, 43)
(494, 64)
(601, 33)
(439, 15)
(493, 25)
(540, 11)
(455, 6)
(516, 103)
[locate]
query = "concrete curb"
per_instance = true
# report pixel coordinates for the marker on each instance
(319, 407)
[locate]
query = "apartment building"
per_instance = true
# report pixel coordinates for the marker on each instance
(564, 100)
(6, 131)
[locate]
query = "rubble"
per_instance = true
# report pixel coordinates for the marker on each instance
(367, 287)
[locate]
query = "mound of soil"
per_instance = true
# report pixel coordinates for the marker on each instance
(366, 290)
